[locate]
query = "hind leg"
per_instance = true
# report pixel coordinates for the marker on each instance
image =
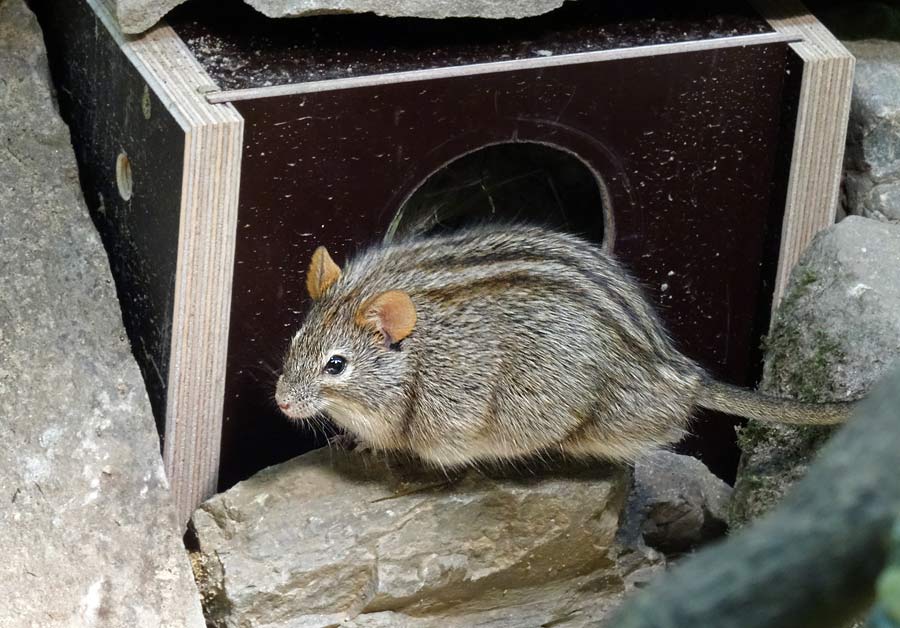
(619, 440)
(595, 443)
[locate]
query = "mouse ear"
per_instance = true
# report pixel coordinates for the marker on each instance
(391, 313)
(322, 273)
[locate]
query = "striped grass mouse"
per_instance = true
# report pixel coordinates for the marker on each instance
(499, 343)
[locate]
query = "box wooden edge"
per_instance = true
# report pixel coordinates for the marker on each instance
(205, 263)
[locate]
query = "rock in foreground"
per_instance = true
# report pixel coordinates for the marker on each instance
(836, 332)
(341, 538)
(89, 536)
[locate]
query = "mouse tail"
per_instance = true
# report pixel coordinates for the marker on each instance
(751, 404)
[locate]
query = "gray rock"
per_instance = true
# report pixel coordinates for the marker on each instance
(836, 332)
(136, 16)
(872, 163)
(89, 536)
(570, 603)
(676, 504)
(336, 538)
(408, 8)
(870, 29)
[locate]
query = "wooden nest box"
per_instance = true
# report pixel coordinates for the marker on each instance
(702, 147)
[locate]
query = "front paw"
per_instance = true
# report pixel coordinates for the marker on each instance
(349, 442)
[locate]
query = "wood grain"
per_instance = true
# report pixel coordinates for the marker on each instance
(202, 298)
(821, 130)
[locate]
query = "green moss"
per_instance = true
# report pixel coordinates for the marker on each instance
(800, 360)
(800, 289)
(753, 433)
(888, 587)
(808, 277)
(812, 378)
(889, 592)
(754, 495)
(786, 309)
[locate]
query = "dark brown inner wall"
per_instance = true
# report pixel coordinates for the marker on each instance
(686, 145)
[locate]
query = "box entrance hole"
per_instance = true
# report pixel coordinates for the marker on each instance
(509, 183)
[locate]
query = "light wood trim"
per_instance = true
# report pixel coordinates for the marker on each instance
(818, 155)
(205, 264)
(390, 78)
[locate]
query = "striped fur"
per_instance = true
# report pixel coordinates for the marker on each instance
(526, 341)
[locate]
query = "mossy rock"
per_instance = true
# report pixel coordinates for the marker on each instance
(836, 331)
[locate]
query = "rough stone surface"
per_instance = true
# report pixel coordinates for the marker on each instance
(136, 16)
(89, 536)
(872, 164)
(870, 29)
(836, 332)
(341, 538)
(408, 8)
(676, 504)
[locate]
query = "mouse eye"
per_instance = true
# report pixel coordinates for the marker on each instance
(336, 365)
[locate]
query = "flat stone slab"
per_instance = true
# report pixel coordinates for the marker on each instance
(408, 8)
(89, 536)
(340, 538)
(136, 16)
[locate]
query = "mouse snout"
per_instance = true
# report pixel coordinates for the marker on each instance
(282, 394)
(293, 400)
